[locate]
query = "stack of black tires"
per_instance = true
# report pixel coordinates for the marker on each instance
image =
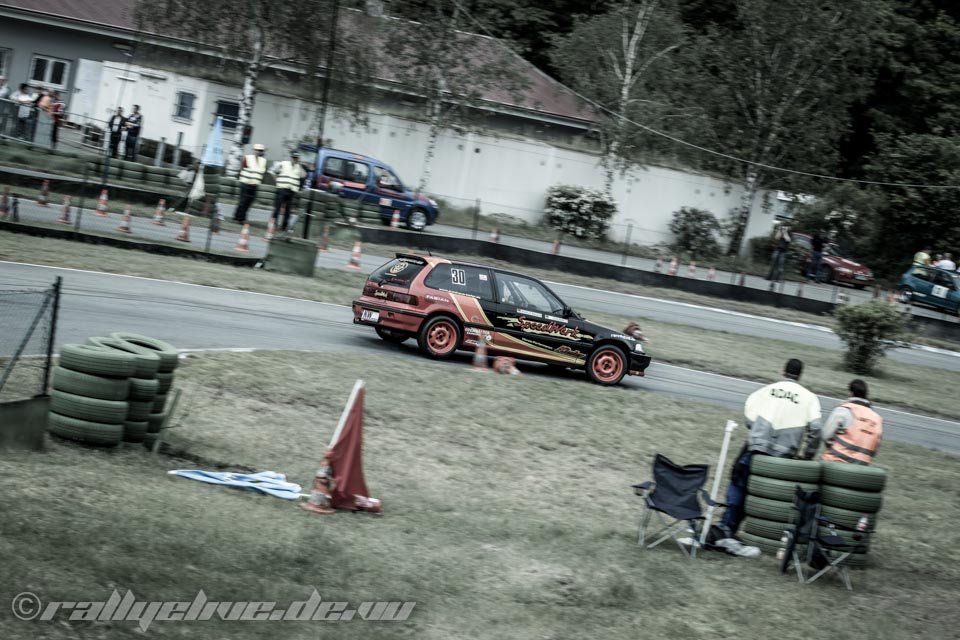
(770, 491)
(847, 492)
(112, 389)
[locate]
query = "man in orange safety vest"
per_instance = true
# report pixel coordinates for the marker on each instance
(853, 431)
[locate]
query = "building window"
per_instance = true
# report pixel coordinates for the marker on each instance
(183, 110)
(4, 62)
(49, 72)
(230, 111)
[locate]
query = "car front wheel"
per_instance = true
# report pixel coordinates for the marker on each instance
(417, 220)
(607, 365)
(439, 337)
(905, 295)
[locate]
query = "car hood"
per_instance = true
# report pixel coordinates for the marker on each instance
(847, 263)
(600, 331)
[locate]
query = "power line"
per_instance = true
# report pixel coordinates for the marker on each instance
(707, 150)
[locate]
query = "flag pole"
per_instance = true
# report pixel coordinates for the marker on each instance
(357, 387)
(728, 431)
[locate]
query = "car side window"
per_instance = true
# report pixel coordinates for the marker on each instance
(525, 293)
(459, 278)
(943, 280)
(349, 170)
(921, 274)
(386, 179)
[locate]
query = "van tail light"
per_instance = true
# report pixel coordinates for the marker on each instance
(371, 291)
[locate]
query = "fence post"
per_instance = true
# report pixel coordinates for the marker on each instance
(161, 147)
(83, 193)
(626, 244)
(476, 219)
(205, 212)
(52, 336)
(176, 151)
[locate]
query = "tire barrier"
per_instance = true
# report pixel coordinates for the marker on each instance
(112, 389)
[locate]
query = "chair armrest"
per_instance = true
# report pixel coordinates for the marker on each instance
(643, 487)
(710, 501)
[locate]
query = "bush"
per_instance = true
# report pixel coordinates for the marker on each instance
(579, 211)
(866, 330)
(696, 232)
(761, 248)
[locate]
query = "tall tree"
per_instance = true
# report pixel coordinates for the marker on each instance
(780, 78)
(629, 61)
(452, 73)
(256, 35)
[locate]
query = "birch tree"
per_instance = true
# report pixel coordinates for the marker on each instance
(780, 79)
(627, 60)
(254, 35)
(450, 73)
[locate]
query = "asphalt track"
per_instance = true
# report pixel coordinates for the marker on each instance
(198, 317)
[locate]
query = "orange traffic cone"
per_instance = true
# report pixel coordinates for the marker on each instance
(271, 227)
(692, 270)
(65, 214)
(658, 267)
(184, 235)
(244, 243)
(158, 216)
(125, 221)
(672, 271)
(44, 193)
(355, 256)
(556, 247)
(395, 220)
(504, 364)
(495, 235)
(712, 274)
(325, 241)
(480, 355)
(320, 499)
(102, 204)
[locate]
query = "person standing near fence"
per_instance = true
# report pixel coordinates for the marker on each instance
(115, 126)
(252, 169)
(816, 256)
(133, 125)
(24, 99)
(57, 111)
(781, 246)
(290, 177)
(5, 107)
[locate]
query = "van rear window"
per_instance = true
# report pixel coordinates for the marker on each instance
(400, 271)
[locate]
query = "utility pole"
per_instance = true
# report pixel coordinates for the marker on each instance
(331, 52)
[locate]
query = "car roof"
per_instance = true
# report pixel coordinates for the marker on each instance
(436, 260)
(353, 155)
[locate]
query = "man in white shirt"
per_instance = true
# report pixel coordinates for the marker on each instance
(946, 263)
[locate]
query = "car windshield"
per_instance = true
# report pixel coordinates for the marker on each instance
(833, 250)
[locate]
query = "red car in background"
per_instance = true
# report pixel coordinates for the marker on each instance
(834, 267)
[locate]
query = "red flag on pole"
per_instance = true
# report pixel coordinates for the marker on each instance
(340, 483)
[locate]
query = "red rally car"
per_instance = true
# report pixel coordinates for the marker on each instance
(449, 305)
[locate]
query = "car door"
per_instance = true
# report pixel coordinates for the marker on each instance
(531, 323)
(471, 291)
(921, 281)
(387, 192)
(352, 173)
(943, 291)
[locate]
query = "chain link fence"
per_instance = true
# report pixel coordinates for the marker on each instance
(29, 320)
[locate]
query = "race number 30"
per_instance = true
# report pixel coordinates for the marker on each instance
(939, 292)
(458, 277)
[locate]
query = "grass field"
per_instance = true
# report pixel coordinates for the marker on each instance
(729, 354)
(508, 514)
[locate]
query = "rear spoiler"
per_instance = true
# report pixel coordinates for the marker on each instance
(410, 257)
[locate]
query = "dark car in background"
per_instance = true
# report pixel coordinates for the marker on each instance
(359, 177)
(834, 267)
(448, 305)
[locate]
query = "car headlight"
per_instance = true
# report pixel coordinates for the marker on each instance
(638, 348)
(433, 203)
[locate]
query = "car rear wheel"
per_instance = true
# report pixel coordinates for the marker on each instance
(439, 337)
(417, 220)
(607, 365)
(905, 295)
(389, 335)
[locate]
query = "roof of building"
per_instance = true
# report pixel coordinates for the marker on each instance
(541, 95)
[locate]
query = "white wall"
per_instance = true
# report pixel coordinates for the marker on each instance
(508, 175)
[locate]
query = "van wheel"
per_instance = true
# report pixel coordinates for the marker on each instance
(417, 220)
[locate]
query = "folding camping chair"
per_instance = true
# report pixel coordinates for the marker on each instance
(824, 553)
(673, 494)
